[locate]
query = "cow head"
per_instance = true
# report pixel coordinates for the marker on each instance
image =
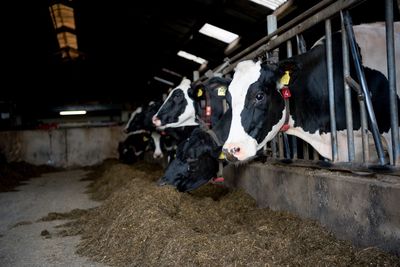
(258, 110)
(135, 122)
(195, 164)
(148, 114)
(177, 110)
(209, 99)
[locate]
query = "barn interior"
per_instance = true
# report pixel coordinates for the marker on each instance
(103, 59)
(126, 53)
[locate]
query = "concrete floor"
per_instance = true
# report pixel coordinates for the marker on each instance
(23, 245)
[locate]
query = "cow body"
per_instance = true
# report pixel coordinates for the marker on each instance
(259, 111)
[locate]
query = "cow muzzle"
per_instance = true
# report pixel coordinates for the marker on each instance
(230, 155)
(157, 155)
(156, 121)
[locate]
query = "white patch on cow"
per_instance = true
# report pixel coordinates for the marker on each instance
(137, 111)
(322, 143)
(246, 73)
(187, 118)
(138, 153)
(156, 139)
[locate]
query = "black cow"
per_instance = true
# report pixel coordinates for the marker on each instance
(196, 161)
(258, 109)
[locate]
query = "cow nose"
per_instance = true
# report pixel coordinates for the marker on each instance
(158, 155)
(156, 121)
(125, 131)
(161, 182)
(229, 156)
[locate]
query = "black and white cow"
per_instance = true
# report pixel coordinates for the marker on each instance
(186, 104)
(176, 111)
(258, 109)
(197, 157)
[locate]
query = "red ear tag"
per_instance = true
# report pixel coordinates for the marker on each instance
(286, 92)
(285, 127)
(208, 111)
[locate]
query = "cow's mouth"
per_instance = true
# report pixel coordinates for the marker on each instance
(229, 157)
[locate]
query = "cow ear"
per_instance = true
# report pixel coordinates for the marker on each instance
(196, 92)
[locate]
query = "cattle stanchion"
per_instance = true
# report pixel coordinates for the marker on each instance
(329, 63)
(360, 73)
(347, 93)
(391, 66)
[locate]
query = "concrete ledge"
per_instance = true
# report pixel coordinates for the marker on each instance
(364, 210)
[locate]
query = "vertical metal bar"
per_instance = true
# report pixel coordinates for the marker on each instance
(280, 146)
(289, 53)
(394, 119)
(329, 63)
(301, 44)
(306, 154)
(301, 48)
(364, 86)
(364, 131)
(273, 147)
(347, 93)
(315, 155)
(196, 75)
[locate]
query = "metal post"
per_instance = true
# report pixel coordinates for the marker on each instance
(289, 54)
(392, 81)
(364, 86)
(364, 130)
(329, 63)
(347, 93)
(273, 147)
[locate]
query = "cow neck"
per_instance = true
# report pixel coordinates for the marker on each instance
(285, 93)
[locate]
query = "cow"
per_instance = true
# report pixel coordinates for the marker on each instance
(186, 104)
(176, 111)
(258, 105)
(196, 161)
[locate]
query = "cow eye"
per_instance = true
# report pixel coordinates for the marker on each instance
(260, 96)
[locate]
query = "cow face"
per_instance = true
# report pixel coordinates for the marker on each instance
(258, 110)
(135, 122)
(196, 163)
(148, 114)
(209, 99)
(177, 110)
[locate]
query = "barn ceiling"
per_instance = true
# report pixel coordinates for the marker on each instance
(123, 45)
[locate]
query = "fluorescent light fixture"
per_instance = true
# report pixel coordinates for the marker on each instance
(73, 112)
(271, 4)
(192, 57)
(218, 33)
(163, 81)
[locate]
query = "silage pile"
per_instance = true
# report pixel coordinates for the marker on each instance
(141, 224)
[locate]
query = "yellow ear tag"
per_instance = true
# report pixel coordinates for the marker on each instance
(285, 78)
(199, 93)
(221, 156)
(145, 138)
(222, 91)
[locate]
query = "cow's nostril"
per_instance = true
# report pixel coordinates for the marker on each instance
(234, 150)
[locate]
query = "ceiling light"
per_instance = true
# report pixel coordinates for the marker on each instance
(73, 112)
(271, 4)
(218, 33)
(192, 57)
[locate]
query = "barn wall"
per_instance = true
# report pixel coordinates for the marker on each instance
(62, 147)
(364, 210)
